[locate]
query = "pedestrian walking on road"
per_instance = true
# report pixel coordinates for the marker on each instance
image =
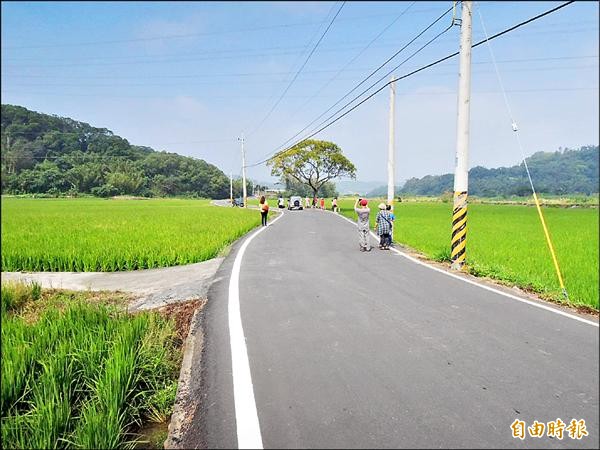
(383, 227)
(322, 203)
(264, 210)
(334, 206)
(363, 224)
(307, 202)
(392, 219)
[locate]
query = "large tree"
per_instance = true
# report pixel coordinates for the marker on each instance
(312, 163)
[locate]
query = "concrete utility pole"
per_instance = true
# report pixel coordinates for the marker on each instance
(245, 194)
(231, 188)
(461, 173)
(391, 164)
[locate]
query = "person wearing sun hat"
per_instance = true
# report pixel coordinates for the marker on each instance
(363, 224)
(383, 227)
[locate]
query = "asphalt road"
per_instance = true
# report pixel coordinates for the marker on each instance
(370, 350)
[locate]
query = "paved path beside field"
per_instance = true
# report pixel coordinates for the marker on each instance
(310, 343)
(153, 287)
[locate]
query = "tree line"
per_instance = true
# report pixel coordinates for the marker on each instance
(47, 154)
(564, 172)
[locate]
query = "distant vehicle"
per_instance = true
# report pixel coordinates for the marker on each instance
(238, 202)
(295, 202)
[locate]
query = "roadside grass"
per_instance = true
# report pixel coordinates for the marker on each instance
(506, 243)
(79, 373)
(89, 235)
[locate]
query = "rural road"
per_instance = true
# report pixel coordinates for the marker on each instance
(344, 349)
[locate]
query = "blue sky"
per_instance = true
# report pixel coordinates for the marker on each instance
(189, 77)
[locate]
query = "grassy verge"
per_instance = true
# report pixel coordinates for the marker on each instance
(506, 243)
(78, 371)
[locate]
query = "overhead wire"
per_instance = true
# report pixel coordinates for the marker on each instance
(553, 26)
(193, 57)
(103, 96)
(427, 66)
(251, 74)
(377, 70)
(373, 84)
(255, 129)
(207, 33)
(364, 49)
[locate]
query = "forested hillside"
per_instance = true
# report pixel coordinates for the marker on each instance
(560, 173)
(48, 154)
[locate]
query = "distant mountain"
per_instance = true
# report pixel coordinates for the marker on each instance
(563, 172)
(345, 187)
(381, 191)
(54, 155)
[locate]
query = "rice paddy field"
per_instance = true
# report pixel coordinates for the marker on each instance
(79, 372)
(89, 235)
(506, 242)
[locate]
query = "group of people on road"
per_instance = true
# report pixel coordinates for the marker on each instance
(384, 224)
(384, 221)
(319, 203)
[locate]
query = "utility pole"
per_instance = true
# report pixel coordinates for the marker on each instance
(245, 194)
(231, 188)
(461, 174)
(391, 165)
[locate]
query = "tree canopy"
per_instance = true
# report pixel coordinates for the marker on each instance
(312, 163)
(52, 155)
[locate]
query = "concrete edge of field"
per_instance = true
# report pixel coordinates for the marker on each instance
(183, 411)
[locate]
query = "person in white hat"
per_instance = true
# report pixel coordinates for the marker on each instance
(383, 227)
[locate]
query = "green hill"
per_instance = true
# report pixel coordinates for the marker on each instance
(46, 154)
(562, 172)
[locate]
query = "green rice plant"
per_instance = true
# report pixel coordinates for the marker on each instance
(506, 242)
(113, 388)
(17, 358)
(114, 235)
(80, 375)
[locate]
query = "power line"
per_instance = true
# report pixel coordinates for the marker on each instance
(262, 74)
(508, 30)
(235, 54)
(371, 86)
(374, 72)
(528, 90)
(243, 51)
(298, 72)
(356, 57)
(208, 33)
(260, 82)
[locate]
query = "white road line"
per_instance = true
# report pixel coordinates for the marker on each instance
(246, 416)
(491, 289)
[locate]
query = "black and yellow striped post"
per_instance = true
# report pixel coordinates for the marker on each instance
(459, 230)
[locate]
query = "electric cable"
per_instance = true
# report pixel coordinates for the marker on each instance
(297, 72)
(355, 57)
(371, 74)
(501, 33)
